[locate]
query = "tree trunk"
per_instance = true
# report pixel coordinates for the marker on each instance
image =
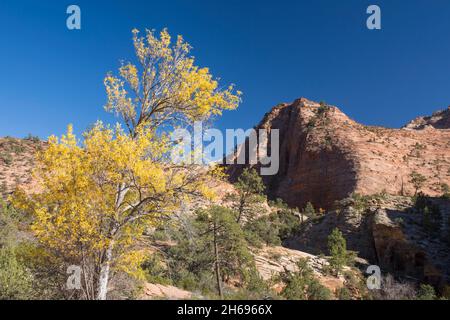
(104, 273)
(217, 265)
(240, 209)
(402, 190)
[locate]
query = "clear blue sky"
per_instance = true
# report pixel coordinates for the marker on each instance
(274, 51)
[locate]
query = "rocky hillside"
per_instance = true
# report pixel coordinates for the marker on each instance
(271, 261)
(326, 156)
(389, 231)
(17, 160)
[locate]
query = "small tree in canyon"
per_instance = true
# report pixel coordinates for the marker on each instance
(99, 194)
(250, 194)
(337, 246)
(417, 180)
(224, 241)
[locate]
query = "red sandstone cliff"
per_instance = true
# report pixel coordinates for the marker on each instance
(326, 156)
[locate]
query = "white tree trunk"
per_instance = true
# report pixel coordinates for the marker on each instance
(104, 274)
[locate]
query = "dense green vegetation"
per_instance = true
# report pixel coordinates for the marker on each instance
(430, 213)
(15, 280)
(211, 251)
(303, 285)
(212, 254)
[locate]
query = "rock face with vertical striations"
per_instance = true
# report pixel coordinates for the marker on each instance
(325, 156)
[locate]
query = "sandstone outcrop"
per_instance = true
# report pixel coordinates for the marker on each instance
(438, 120)
(388, 232)
(325, 156)
(272, 261)
(402, 256)
(153, 291)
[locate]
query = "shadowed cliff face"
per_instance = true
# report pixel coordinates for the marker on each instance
(325, 156)
(310, 163)
(389, 232)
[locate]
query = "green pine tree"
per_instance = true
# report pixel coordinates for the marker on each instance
(337, 247)
(250, 194)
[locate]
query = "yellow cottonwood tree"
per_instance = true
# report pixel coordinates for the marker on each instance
(98, 194)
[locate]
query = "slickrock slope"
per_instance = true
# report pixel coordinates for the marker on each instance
(326, 156)
(159, 291)
(272, 261)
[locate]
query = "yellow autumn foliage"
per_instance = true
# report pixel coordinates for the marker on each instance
(165, 85)
(100, 193)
